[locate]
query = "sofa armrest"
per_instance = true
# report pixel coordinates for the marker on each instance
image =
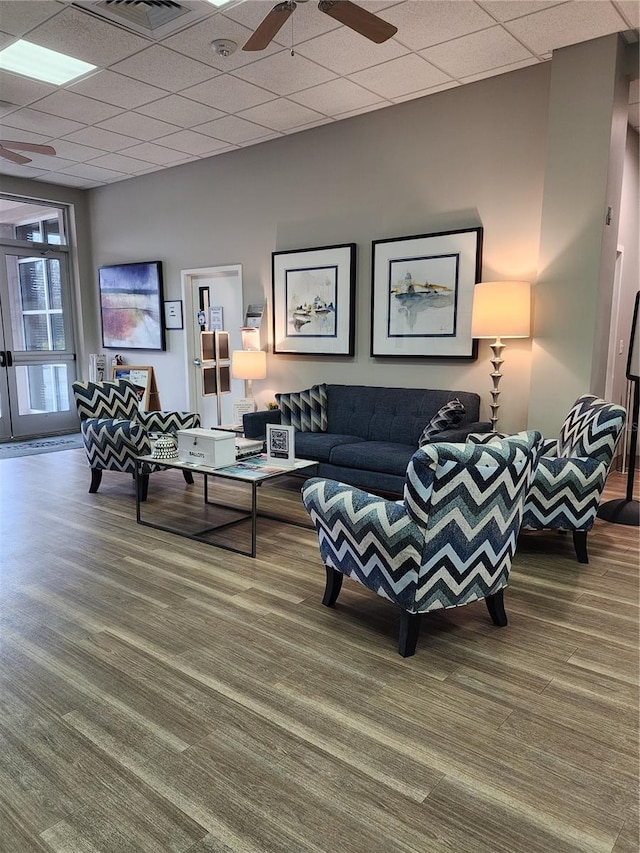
(255, 423)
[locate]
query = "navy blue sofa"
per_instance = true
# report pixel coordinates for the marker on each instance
(372, 433)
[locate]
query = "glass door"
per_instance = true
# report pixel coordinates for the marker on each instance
(37, 352)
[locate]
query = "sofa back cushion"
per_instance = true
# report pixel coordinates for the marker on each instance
(391, 414)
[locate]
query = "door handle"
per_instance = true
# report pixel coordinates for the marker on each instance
(197, 362)
(9, 358)
(3, 358)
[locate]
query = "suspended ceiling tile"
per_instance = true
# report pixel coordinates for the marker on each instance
(70, 181)
(28, 119)
(424, 24)
(73, 151)
(233, 129)
(228, 93)
(153, 153)
(86, 170)
(362, 110)
(400, 77)
(281, 114)
(106, 140)
(117, 89)
(192, 142)
(26, 135)
(138, 126)
(82, 36)
(451, 84)
(166, 68)
(630, 10)
(505, 69)
(344, 51)
(26, 171)
(22, 90)
(67, 104)
(336, 97)
(477, 52)
(119, 163)
(568, 24)
(507, 10)
(182, 111)
(18, 18)
(283, 74)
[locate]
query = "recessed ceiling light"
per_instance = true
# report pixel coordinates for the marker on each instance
(218, 2)
(40, 63)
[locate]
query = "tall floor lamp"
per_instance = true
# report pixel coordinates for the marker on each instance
(501, 309)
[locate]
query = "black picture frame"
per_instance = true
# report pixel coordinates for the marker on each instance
(313, 300)
(422, 294)
(132, 306)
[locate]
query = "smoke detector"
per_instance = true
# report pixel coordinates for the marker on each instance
(223, 47)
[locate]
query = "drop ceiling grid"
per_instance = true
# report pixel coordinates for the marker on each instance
(157, 104)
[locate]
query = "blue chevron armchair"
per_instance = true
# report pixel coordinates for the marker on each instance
(114, 432)
(449, 542)
(573, 469)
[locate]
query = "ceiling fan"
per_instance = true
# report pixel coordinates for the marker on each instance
(7, 144)
(351, 15)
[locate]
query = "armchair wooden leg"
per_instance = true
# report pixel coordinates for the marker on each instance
(188, 477)
(409, 629)
(495, 606)
(580, 545)
(333, 587)
(96, 479)
(143, 487)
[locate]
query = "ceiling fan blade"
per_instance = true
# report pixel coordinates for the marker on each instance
(28, 146)
(270, 26)
(356, 18)
(15, 158)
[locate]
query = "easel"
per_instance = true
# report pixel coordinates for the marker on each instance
(145, 381)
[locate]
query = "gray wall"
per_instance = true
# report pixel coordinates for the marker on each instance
(470, 156)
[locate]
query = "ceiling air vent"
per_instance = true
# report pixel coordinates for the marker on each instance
(149, 14)
(155, 19)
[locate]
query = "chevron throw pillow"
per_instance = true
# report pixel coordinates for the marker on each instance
(306, 411)
(448, 417)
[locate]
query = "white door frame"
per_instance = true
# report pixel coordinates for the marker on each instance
(191, 345)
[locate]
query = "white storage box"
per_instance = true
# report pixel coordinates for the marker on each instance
(210, 447)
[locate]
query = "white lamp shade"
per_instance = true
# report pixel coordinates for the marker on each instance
(501, 309)
(249, 364)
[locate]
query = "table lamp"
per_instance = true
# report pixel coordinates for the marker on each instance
(501, 309)
(249, 365)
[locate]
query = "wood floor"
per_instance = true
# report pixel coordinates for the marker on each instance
(159, 695)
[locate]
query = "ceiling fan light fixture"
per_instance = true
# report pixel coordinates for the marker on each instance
(31, 60)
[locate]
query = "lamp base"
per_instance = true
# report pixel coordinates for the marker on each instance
(621, 511)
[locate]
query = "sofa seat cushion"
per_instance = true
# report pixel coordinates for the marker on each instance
(385, 457)
(319, 445)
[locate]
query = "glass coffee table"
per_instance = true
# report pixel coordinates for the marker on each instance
(253, 472)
